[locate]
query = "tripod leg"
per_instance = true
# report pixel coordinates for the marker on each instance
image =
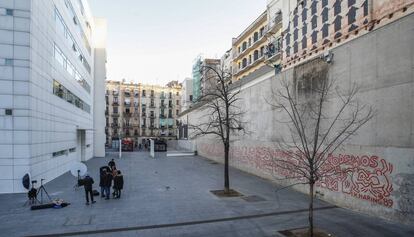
(44, 189)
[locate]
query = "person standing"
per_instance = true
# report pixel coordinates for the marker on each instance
(102, 174)
(107, 184)
(118, 184)
(111, 164)
(87, 184)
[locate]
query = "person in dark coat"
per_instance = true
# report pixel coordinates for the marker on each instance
(101, 182)
(107, 182)
(87, 184)
(111, 164)
(118, 184)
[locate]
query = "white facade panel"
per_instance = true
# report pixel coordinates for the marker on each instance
(51, 98)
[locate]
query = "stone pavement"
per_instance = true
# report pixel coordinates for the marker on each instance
(169, 196)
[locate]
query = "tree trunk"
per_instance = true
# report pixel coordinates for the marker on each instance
(311, 209)
(226, 169)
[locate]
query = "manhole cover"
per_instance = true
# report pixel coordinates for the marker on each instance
(253, 198)
(80, 220)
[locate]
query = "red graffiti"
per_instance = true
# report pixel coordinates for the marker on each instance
(364, 177)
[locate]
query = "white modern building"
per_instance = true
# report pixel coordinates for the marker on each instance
(186, 94)
(52, 73)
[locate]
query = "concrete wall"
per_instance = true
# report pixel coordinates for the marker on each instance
(380, 156)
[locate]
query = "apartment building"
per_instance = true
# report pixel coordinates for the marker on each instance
(312, 27)
(202, 76)
(139, 111)
(186, 94)
(50, 86)
(257, 49)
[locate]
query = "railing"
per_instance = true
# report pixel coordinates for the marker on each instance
(115, 114)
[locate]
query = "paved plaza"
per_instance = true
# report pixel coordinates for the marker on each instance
(170, 196)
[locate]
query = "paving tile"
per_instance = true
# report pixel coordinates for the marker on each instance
(147, 202)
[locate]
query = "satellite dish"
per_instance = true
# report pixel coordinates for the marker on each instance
(26, 181)
(78, 168)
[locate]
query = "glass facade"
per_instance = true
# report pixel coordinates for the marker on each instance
(68, 66)
(60, 91)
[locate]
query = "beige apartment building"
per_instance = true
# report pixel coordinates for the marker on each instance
(140, 112)
(258, 46)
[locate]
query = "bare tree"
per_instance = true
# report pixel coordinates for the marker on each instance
(221, 112)
(320, 117)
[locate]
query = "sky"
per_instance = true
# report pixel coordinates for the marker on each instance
(156, 41)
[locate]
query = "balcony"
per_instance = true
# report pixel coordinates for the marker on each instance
(152, 116)
(162, 97)
(163, 106)
(152, 106)
(237, 72)
(127, 114)
(115, 103)
(127, 105)
(127, 94)
(273, 51)
(170, 106)
(115, 115)
(255, 44)
(152, 96)
(143, 126)
(275, 24)
(144, 115)
(127, 126)
(106, 112)
(114, 125)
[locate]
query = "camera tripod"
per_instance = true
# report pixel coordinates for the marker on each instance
(76, 186)
(42, 190)
(33, 194)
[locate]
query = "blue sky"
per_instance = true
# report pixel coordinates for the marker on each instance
(156, 41)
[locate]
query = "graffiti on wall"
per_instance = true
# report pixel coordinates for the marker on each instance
(364, 176)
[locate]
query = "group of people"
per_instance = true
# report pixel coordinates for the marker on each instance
(108, 175)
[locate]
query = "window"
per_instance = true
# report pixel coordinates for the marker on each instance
(255, 37)
(60, 91)
(177, 112)
(244, 46)
(143, 93)
(68, 66)
(261, 31)
(177, 94)
(59, 153)
(244, 62)
(8, 62)
(256, 55)
(9, 12)
(177, 102)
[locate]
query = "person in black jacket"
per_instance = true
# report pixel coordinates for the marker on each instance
(102, 174)
(107, 181)
(118, 184)
(111, 164)
(87, 184)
